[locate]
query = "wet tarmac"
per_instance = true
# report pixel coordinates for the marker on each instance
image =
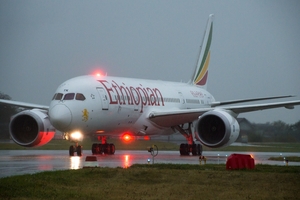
(17, 162)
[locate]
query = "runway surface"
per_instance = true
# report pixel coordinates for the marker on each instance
(17, 162)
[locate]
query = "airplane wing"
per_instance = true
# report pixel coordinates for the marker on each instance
(23, 104)
(214, 104)
(176, 117)
(264, 106)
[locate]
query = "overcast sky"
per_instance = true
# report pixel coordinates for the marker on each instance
(255, 50)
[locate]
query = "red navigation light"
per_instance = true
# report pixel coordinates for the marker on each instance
(127, 137)
(98, 74)
(98, 71)
(146, 137)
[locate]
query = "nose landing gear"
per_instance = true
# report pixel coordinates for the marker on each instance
(74, 137)
(75, 148)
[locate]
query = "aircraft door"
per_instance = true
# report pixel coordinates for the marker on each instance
(182, 100)
(103, 97)
(181, 97)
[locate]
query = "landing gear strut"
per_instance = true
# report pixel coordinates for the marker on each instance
(103, 147)
(75, 148)
(190, 147)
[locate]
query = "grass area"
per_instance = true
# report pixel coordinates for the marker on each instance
(159, 181)
(142, 144)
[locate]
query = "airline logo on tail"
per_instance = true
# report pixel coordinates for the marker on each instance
(201, 71)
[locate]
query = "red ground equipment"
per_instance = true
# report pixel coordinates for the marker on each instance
(240, 161)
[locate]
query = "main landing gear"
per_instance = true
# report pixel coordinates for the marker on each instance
(195, 149)
(75, 148)
(103, 147)
(190, 147)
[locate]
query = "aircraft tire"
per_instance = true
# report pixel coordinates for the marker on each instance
(181, 149)
(71, 150)
(107, 148)
(100, 149)
(95, 149)
(187, 149)
(184, 149)
(194, 150)
(79, 150)
(112, 149)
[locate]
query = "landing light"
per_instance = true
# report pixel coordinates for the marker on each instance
(100, 131)
(76, 136)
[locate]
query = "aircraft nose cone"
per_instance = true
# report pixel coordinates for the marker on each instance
(60, 117)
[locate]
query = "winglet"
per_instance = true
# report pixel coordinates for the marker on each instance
(201, 71)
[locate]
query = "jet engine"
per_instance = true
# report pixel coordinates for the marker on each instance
(217, 128)
(31, 128)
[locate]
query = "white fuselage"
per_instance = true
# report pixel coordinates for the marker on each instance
(114, 106)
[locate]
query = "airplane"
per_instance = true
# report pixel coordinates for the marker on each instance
(106, 106)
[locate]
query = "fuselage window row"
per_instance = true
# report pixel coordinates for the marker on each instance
(170, 100)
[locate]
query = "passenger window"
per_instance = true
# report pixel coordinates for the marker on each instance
(80, 97)
(69, 96)
(58, 96)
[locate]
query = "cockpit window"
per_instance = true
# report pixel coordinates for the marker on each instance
(69, 96)
(57, 96)
(80, 97)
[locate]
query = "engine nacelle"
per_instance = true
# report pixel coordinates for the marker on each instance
(31, 128)
(217, 128)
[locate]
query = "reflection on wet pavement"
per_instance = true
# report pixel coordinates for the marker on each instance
(16, 162)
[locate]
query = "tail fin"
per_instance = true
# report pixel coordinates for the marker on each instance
(201, 71)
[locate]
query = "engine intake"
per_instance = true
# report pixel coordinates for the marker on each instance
(31, 128)
(217, 128)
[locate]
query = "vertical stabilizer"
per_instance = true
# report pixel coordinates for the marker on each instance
(201, 71)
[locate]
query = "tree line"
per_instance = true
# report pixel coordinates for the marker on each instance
(277, 131)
